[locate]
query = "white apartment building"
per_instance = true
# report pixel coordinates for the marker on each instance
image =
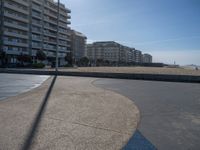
(78, 45)
(109, 51)
(31, 25)
(146, 58)
(137, 56)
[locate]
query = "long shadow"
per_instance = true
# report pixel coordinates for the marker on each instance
(32, 132)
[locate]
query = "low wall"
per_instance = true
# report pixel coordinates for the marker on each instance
(135, 76)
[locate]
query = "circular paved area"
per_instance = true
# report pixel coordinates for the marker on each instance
(76, 115)
(170, 112)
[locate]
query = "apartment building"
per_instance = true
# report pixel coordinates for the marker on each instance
(137, 56)
(78, 45)
(147, 58)
(106, 51)
(109, 51)
(126, 54)
(31, 25)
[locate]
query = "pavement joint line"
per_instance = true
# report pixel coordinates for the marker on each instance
(87, 125)
(106, 129)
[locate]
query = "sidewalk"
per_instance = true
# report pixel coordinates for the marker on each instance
(77, 116)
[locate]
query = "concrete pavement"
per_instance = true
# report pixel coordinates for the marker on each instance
(170, 112)
(77, 115)
(13, 84)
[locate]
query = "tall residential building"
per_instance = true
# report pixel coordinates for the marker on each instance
(147, 58)
(106, 51)
(109, 51)
(78, 45)
(31, 25)
(137, 56)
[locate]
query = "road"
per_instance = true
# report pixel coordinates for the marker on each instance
(170, 112)
(13, 84)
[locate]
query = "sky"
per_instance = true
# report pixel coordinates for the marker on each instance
(167, 29)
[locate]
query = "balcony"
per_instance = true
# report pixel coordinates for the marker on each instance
(50, 28)
(61, 54)
(62, 43)
(49, 13)
(68, 17)
(37, 16)
(64, 20)
(16, 52)
(15, 17)
(37, 24)
(36, 46)
(48, 7)
(64, 32)
(62, 37)
(8, 5)
(12, 34)
(64, 49)
(63, 13)
(48, 47)
(15, 43)
(16, 26)
(63, 25)
(37, 38)
(50, 34)
(50, 41)
(37, 8)
(36, 31)
(50, 20)
(38, 2)
(22, 2)
(68, 39)
(13, 52)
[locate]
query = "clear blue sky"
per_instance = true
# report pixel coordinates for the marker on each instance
(167, 29)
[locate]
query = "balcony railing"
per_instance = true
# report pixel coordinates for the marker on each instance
(16, 35)
(8, 5)
(16, 26)
(16, 17)
(15, 43)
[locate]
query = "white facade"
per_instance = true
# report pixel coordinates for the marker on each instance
(110, 51)
(31, 25)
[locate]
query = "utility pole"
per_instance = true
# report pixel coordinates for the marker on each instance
(1, 24)
(57, 41)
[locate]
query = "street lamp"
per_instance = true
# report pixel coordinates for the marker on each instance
(57, 39)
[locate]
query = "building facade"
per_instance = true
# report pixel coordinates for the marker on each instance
(137, 56)
(31, 25)
(109, 51)
(78, 45)
(106, 51)
(147, 58)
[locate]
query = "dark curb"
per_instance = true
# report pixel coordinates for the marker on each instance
(135, 76)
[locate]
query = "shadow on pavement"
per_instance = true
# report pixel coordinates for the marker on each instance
(31, 134)
(139, 142)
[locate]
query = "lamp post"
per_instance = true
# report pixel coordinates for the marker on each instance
(57, 41)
